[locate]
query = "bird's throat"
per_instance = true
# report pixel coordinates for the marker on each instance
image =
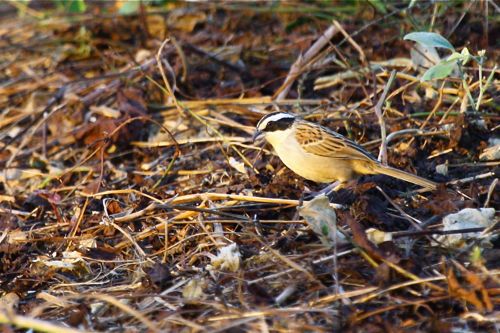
(277, 138)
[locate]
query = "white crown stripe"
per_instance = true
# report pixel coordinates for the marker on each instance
(273, 117)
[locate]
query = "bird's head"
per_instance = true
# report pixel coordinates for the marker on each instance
(272, 125)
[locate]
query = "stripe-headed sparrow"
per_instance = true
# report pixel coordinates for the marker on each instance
(322, 155)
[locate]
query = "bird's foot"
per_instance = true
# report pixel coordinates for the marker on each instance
(333, 187)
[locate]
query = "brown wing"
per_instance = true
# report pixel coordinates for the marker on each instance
(322, 141)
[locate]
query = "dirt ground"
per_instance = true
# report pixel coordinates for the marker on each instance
(132, 197)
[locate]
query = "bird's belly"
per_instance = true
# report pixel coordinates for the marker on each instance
(313, 167)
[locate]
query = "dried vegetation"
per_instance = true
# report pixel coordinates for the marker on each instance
(125, 207)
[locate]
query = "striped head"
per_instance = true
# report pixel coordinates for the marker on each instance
(275, 122)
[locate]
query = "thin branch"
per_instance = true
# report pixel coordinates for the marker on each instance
(382, 157)
(301, 61)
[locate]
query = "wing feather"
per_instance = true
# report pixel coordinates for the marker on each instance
(319, 140)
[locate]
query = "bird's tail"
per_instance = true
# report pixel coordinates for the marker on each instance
(400, 174)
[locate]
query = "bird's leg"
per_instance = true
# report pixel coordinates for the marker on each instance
(335, 186)
(301, 203)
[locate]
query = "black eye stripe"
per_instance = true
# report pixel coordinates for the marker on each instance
(279, 125)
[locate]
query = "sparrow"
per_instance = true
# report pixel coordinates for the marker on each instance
(319, 154)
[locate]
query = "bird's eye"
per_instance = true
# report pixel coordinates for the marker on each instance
(279, 125)
(271, 126)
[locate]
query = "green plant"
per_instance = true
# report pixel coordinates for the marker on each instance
(456, 59)
(71, 6)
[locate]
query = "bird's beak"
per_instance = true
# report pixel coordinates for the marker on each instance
(257, 135)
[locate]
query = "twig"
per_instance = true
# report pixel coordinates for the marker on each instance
(482, 88)
(297, 67)
(345, 295)
(404, 132)
(413, 221)
(107, 220)
(382, 157)
(411, 276)
(187, 141)
(401, 234)
(470, 179)
(56, 98)
(167, 87)
(35, 324)
(497, 8)
(126, 309)
(251, 101)
(238, 68)
(290, 270)
(285, 294)
(491, 189)
(378, 293)
(351, 41)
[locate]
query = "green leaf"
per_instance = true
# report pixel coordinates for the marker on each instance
(439, 71)
(325, 230)
(129, 7)
(72, 6)
(77, 6)
(429, 39)
(463, 56)
(455, 56)
(466, 56)
(475, 256)
(379, 6)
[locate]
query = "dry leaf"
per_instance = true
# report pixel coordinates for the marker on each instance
(468, 286)
(492, 152)
(239, 166)
(142, 55)
(9, 301)
(156, 27)
(105, 111)
(378, 236)
(194, 289)
(321, 217)
(464, 219)
(185, 20)
(71, 261)
(424, 56)
(228, 259)
(53, 300)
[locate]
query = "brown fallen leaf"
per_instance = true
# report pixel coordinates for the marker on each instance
(468, 286)
(361, 239)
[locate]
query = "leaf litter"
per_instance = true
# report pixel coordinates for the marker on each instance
(132, 197)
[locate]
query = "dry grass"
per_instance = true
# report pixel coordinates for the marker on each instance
(117, 194)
